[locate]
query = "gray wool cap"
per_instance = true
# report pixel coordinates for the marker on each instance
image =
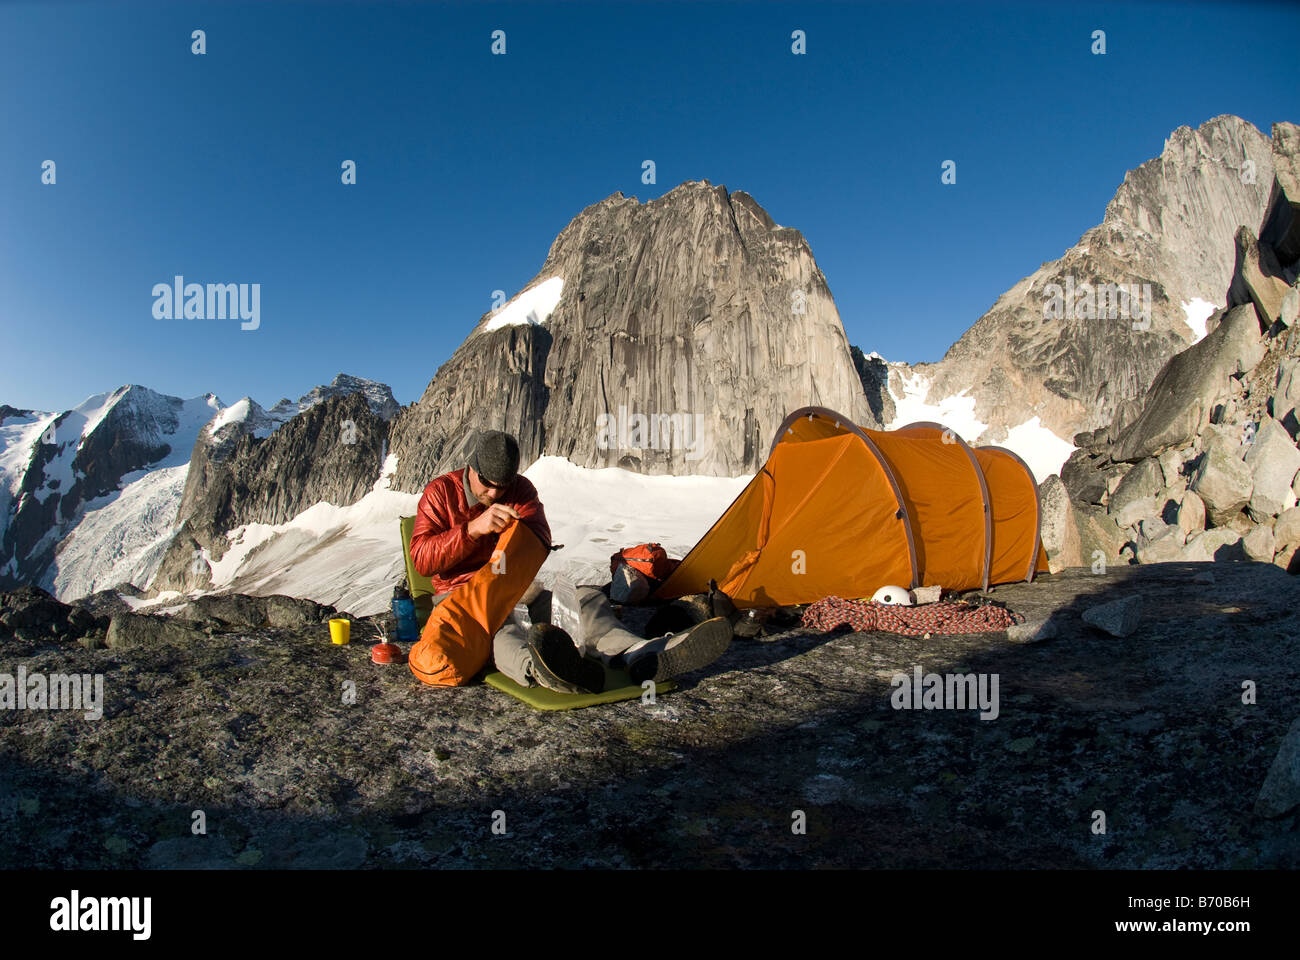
(496, 457)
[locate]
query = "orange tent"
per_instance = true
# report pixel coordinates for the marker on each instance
(838, 510)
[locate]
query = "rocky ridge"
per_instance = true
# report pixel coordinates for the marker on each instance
(1206, 466)
(1171, 226)
(332, 452)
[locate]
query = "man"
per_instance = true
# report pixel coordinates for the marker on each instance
(460, 519)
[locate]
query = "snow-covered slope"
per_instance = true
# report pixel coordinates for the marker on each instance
(1033, 442)
(534, 305)
(56, 470)
(121, 537)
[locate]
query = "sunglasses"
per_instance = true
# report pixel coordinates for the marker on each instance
(491, 486)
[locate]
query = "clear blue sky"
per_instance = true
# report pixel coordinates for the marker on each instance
(225, 167)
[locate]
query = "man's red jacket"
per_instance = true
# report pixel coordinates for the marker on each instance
(441, 547)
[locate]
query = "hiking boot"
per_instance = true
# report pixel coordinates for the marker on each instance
(557, 664)
(689, 650)
(692, 609)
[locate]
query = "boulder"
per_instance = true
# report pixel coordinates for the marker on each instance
(1232, 438)
(1179, 402)
(1287, 528)
(1224, 412)
(1119, 618)
(1286, 536)
(1090, 479)
(1142, 481)
(1191, 514)
(289, 612)
(1218, 544)
(1060, 531)
(31, 613)
(235, 609)
(105, 603)
(1241, 524)
(1291, 307)
(1280, 793)
(1152, 528)
(1288, 558)
(1032, 631)
(1259, 544)
(1099, 537)
(1171, 465)
(930, 594)
(1136, 511)
(1223, 481)
(1286, 395)
(1274, 462)
(127, 630)
(1163, 545)
(1257, 278)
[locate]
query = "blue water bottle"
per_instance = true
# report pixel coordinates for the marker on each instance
(404, 614)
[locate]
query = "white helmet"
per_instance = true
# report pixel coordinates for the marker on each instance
(895, 595)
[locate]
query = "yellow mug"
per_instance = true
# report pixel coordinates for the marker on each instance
(340, 630)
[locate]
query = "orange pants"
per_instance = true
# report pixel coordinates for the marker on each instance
(457, 638)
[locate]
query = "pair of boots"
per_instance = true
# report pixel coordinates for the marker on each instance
(692, 633)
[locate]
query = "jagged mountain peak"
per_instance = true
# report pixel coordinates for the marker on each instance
(693, 315)
(686, 192)
(378, 396)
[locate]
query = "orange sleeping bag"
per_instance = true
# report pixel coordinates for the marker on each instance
(457, 639)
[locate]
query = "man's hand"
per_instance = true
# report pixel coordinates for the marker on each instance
(492, 520)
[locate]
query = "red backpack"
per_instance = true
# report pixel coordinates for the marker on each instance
(648, 558)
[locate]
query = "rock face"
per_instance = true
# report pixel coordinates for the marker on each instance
(332, 453)
(1281, 229)
(694, 310)
(873, 371)
(1207, 467)
(1171, 225)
